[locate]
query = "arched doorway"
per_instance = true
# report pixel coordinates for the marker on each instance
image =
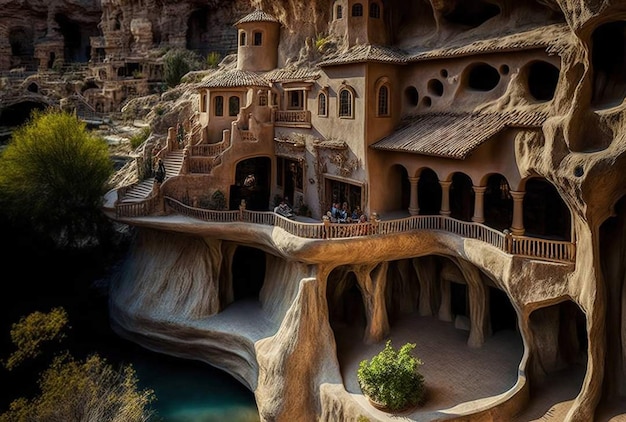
(346, 311)
(256, 193)
(399, 179)
(429, 193)
(498, 205)
(461, 197)
(502, 312)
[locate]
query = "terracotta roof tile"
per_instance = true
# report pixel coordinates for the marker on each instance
(235, 78)
(287, 75)
(257, 16)
(542, 37)
(367, 53)
(454, 135)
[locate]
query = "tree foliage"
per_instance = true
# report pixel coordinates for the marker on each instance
(392, 377)
(54, 174)
(32, 331)
(177, 63)
(72, 390)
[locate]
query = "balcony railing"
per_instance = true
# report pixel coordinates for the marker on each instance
(552, 250)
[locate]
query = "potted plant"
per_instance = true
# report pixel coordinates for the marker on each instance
(391, 380)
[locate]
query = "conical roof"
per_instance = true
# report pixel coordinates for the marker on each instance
(257, 16)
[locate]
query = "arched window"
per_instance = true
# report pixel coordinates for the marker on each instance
(383, 101)
(219, 105)
(322, 105)
(203, 102)
(242, 38)
(262, 98)
(233, 106)
(338, 12)
(258, 38)
(357, 9)
(346, 100)
(374, 10)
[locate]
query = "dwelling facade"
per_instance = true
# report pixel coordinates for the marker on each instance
(472, 172)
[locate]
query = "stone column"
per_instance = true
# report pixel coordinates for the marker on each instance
(445, 197)
(445, 308)
(373, 282)
(517, 228)
(413, 204)
(479, 201)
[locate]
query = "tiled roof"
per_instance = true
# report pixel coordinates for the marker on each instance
(542, 37)
(257, 16)
(235, 78)
(366, 53)
(454, 135)
(287, 75)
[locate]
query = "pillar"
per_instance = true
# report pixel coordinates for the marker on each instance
(517, 227)
(373, 283)
(445, 197)
(445, 308)
(413, 204)
(479, 204)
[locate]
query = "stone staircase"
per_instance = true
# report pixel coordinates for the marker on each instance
(173, 162)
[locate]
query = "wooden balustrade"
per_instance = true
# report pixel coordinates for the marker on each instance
(298, 118)
(207, 150)
(552, 250)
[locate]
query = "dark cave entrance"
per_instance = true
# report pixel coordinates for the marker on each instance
(19, 113)
(560, 334)
(613, 263)
(77, 45)
(482, 77)
(545, 213)
(502, 312)
(459, 300)
(22, 48)
(345, 302)
(609, 64)
(248, 272)
(472, 13)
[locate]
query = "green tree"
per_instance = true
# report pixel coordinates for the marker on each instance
(177, 63)
(72, 390)
(53, 177)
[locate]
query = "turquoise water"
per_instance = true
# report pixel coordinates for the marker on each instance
(192, 391)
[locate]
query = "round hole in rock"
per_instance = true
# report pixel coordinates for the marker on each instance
(412, 96)
(443, 73)
(504, 69)
(427, 102)
(435, 87)
(482, 77)
(542, 80)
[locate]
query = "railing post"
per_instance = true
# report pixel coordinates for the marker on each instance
(242, 209)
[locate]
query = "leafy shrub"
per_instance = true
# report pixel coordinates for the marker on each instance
(179, 62)
(213, 59)
(392, 377)
(138, 138)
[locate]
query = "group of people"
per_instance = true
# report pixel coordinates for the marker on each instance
(284, 209)
(340, 213)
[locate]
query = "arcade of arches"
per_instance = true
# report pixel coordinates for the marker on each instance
(533, 209)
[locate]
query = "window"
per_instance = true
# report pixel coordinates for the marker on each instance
(338, 13)
(258, 38)
(345, 103)
(383, 101)
(322, 106)
(219, 105)
(357, 10)
(262, 98)
(374, 11)
(242, 38)
(295, 100)
(203, 102)
(233, 106)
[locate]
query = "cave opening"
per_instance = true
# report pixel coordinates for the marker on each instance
(609, 64)
(77, 47)
(22, 48)
(248, 272)
(345, 302)
(482, 77)
(545, 213)
(412, 96)
(472, 13)
(502, 312)
(542, 80)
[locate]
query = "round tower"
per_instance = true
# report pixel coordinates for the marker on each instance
(258, 35)
(359, 22)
